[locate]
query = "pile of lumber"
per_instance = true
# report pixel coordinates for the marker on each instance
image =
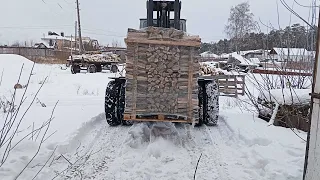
(104, 57)
(162, 68)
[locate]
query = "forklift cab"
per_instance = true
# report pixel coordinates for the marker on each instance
(167, 15)
(183, 24)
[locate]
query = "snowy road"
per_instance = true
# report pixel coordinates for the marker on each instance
(84, 146)
(129, 153)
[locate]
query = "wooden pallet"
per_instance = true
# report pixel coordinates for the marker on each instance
(229, 85)
(157, 118)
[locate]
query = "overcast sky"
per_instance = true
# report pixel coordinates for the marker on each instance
(108, 20)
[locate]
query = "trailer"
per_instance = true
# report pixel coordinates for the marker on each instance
(93, 63)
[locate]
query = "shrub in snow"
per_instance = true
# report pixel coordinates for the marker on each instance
(6, 106)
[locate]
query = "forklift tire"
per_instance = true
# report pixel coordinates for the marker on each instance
(200, 97)
(75, 69)
(212, 114)
(114, 69)
(208, 104)
(99, 68)
(92, 68)
(111, 104)
(121, 105)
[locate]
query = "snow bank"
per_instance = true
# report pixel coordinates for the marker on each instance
(286, 96)
(263, 152)
(10, 66)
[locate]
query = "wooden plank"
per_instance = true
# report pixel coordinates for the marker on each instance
(190, 81)
(136, 51)
(157, 120)
(168, 43)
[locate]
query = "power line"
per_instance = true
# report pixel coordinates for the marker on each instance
(294, 13)
(305, 5)
(33, 27)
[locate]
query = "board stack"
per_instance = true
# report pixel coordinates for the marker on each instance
(162, 69)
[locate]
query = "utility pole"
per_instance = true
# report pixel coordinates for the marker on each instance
(75, 36)
(80, 37)
(312, 157)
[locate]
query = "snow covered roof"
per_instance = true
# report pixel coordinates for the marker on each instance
(286, 96)
(208, 54)
(291, 51)
(255, 60)
(243, 61)
(242, 53)
(56, 37)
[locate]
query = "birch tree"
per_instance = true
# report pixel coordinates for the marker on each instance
(240, 23)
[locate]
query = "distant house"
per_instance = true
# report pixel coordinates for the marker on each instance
(254, 54)
(289, 54)
(89, 43)
(208, 56)
(40, 46)
(235, 60)
(56, 41)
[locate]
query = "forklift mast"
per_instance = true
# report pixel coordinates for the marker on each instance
(163, 11)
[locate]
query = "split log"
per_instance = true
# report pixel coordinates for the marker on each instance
(158, 73)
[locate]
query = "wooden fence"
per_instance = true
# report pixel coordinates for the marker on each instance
(230, 85)
(36, 54)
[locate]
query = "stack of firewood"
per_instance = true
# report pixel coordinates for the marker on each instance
(162, 75)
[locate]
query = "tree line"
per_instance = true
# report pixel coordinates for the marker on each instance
(244, 35)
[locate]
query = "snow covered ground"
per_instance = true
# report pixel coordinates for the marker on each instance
(80, 144)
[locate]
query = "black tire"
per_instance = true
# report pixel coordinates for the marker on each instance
(114, 68)
(121, 105)
(212, 104)
(111, 104)
(75, 69)
(99, 68)
(92, 68)
(208, 103)
(200, 97)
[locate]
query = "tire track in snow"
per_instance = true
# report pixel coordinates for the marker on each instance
(233, 153)
(211, 165)
(99, 145)
(129, 156)
(108, 146)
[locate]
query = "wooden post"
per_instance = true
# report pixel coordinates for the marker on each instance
(312, 157)
(243, 85)
(79, 28)
(236, 85)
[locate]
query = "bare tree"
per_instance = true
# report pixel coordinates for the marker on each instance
(116, 43)
(240, 22)
(16, 44)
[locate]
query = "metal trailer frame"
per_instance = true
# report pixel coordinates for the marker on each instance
(91, 66)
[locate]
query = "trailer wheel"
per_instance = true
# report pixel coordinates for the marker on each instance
(75, 69)
(92, 68)
(99, 68)
(114, 68)
(111, 104)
